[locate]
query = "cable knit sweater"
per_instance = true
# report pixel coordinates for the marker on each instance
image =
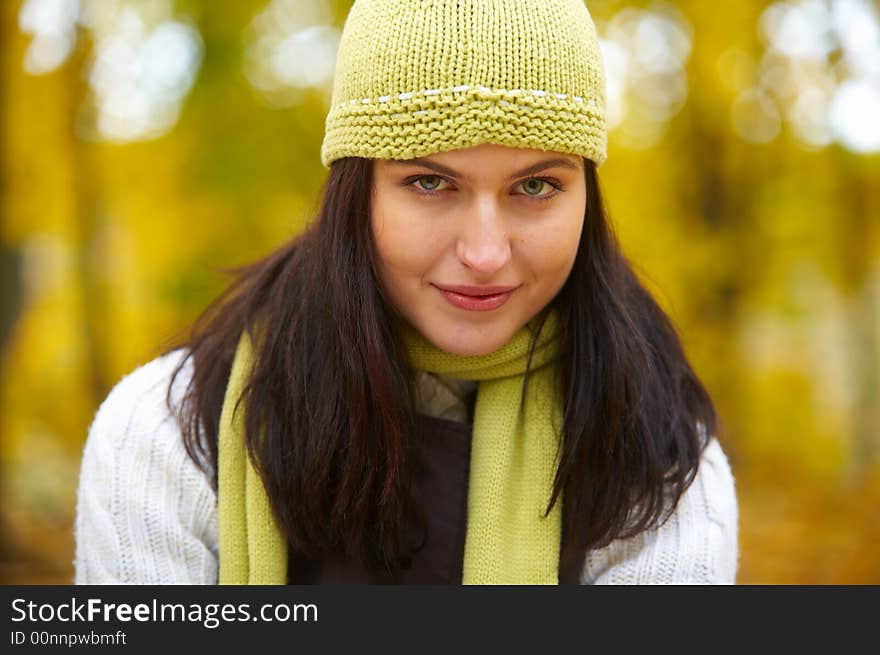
(147, 515)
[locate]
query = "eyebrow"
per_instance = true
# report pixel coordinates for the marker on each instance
(529, 170)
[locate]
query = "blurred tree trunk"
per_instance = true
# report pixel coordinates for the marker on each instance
(720, 194)
(859, 200)
(86, 223)
(10, 258)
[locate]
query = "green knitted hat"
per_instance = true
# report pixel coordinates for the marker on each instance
(415, 77)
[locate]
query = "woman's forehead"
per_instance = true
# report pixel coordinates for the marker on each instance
(489, 160)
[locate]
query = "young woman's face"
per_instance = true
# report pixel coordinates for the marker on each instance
(473, 243)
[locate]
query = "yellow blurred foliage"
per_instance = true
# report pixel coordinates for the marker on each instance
(766, 255)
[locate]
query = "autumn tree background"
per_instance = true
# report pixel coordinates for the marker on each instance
(147, 144)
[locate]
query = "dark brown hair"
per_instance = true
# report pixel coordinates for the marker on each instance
(330, 421)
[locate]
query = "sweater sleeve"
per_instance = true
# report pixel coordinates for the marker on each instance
(696, 545)
(145, 512)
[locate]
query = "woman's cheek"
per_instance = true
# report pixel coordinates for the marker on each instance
(550, 246)
(406, 255)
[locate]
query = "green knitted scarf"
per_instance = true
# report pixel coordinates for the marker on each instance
(513, 463)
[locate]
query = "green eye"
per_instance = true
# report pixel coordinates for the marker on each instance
(533, 186)
(434, 181)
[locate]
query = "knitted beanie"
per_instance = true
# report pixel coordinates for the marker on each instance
(415, 77)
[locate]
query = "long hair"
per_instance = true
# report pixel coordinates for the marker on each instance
(329, 414)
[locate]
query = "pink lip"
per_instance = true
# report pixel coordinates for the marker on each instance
(476, 299)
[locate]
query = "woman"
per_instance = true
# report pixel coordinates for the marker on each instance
(453, 376)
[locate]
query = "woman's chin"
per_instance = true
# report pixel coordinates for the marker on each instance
(469, 352)
(475, 346)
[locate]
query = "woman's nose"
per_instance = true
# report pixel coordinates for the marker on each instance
(484, 242)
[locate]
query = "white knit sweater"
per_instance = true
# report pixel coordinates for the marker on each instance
(147, 515)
